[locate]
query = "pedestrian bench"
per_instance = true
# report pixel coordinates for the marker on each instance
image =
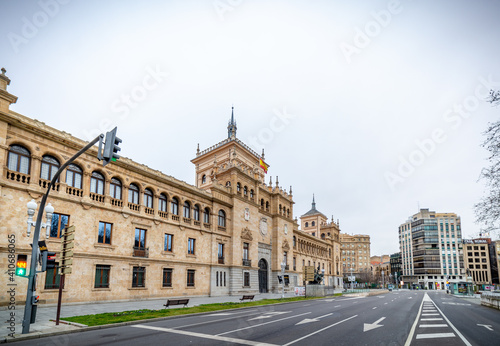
(247, 298)
(170, 302)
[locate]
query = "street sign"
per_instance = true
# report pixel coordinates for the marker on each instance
(309, 273)
(351, 278)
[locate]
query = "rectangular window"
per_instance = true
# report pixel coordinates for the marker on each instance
(191, 242)
(167, 277)
(246, 279)
(246, 247)
(58, 224)
(52, 278)
(138, 276)
(190, 278)
(140, 239)
(169, 243)
(220, 253)
(102, 276)
(104, 236)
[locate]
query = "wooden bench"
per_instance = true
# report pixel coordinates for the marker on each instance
(170, 302)
(247, 298)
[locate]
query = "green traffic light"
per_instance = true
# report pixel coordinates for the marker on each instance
(21, 271)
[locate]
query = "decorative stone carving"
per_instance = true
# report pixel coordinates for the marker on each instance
(285, 246)
(246, 234)
(263, 226)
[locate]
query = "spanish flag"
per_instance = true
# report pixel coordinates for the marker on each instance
(263, 165)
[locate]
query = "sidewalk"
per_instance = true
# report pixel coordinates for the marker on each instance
(44, 314)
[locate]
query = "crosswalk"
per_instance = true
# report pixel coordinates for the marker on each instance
(433, 325)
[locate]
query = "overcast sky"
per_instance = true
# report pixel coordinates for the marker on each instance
(376, 107)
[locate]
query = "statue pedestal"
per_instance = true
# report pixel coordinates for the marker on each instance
(315, 291)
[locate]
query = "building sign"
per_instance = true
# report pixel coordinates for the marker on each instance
(476, 241)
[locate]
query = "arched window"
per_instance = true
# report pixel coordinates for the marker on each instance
(262, 203)
(196, 212)
(238, 187)
(267, 205)
(323, 236)
(174, 206)
(245, 190)
(307, 224)
(162, 203)
(313, 223)
(280, 208)
(74, 176)
(19, 159)
(187, 209)
(50, 165)
(294, 241)
(148, 198)
(133, 194)
(204, 179)
(288, 213)
(115, 188)
(97, 183)
(222, 218)
(206, 215)
(251, 193)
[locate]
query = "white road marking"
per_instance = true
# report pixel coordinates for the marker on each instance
(430, 314)
(451, 303)
(309, 320)
(453, 327)
(432, 325)
(374, 325)
(374, 308)
(264, 323)
(487, 326)
(337, 306)
(319, 331)
(435, 335)
(269, 315)
(204, 336)
(431, 319)
(328, 300)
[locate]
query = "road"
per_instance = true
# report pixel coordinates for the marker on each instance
(395, 318)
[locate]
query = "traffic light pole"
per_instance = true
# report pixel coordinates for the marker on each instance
(36, 235)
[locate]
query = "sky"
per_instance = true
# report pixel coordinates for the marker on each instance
(378, 108)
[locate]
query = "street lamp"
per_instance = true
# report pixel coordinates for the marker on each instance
(49, 210)
(283, 265)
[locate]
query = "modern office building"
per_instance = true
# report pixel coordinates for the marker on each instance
(431, 249)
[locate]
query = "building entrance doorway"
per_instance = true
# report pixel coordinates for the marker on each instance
(263, 276)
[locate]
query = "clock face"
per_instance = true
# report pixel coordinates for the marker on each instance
(263, 226)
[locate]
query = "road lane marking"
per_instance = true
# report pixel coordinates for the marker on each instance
(337, 306)
(204, 336)
(374, 308)
(432, 325)
(309, 320)
(435, 335)
(430, 314)
(431, 319)
(487, 326)
(412, 330)
(319, 331)
(374, 325)
(269, 315)
(264, 323)
(218, 320)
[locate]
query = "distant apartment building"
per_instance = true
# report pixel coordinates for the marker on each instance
(380, 268)
(355, 254)
(395, 261)
(431, 249)
(477, 260)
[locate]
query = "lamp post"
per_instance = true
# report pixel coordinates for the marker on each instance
(383, 279)
(283, 265)
(49, 211)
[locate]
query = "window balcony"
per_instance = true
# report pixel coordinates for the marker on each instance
(44, 184)
(247, 262)
(97, 197)
(220, 228)
(74, 191)
(206, 225)
(187, 220)
(141, 252)
(116, 202)
(221, 260)
(133, 206)
(149, 211)
(163, 214)
(18, 177)
(197, 223)
(175, 217)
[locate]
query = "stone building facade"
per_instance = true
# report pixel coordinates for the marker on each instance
(356, 255)
(143, 234)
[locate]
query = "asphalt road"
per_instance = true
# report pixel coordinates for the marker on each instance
(395, 318)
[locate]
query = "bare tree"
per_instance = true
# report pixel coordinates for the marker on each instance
(488, 209)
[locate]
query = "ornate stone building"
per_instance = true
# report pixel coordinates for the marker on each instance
(141, 233)
(356, 255)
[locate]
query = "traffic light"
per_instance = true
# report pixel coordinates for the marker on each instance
(111, 147)
(280, 279)
(34, 299)
(287, 280)
(48, 260)
(21, 265)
